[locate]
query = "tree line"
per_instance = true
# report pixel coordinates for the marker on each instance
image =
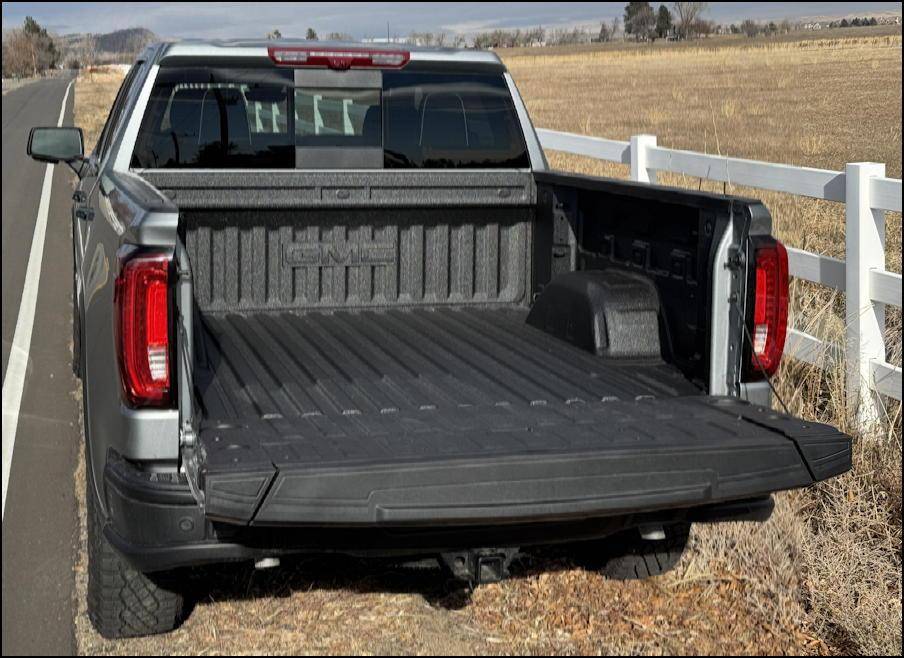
(751, 28)
(31, 51)
(856, 22)
(640, 22)
(683, 21)
(28, 51)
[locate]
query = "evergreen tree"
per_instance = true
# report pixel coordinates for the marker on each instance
(639, 20)
(663, 22)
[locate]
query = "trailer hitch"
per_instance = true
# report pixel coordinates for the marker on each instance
(478, 566)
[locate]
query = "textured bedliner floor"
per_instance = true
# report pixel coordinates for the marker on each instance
(346, 364)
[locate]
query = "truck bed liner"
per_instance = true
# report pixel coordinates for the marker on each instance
(459, 415)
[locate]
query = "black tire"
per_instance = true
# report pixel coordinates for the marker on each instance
(122, 601)
(627, 556)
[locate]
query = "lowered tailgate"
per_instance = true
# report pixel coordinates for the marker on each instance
(466, 416)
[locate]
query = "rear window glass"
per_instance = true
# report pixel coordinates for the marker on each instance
(338, 117)
(257, 118)
(436, 120)
(218, 118)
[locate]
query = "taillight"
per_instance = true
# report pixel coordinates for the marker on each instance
(339, 59)
(769, 321)
(143, 329)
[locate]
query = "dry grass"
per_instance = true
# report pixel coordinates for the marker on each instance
(94, 93)
(820, 106)
(822, 576)
(719, 600)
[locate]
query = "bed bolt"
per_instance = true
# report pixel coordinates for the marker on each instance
(736, 259)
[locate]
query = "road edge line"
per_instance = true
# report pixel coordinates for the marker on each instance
(17, 366)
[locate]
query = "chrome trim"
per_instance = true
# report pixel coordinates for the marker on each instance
(130, 134)
(534, 149)
(720, 314)
(258, 48)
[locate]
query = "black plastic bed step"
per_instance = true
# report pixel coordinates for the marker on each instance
(504, 464)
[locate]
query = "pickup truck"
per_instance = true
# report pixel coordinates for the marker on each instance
(330, 297)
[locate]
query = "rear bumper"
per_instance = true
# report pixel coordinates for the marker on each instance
(158, 526)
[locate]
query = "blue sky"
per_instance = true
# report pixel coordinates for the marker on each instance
(360, 19)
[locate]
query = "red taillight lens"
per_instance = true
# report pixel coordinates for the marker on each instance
(770, 307)
(142, 315)
(339, 59)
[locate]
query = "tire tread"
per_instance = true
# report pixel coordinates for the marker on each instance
(122, 601)
(640, 558)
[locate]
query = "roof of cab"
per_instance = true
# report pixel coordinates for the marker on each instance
(232, 48)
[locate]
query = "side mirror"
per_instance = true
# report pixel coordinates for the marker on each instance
(56, 144)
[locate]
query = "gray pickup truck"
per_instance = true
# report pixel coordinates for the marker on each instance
(330, 297)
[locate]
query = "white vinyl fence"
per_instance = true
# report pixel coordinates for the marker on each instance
(868, 287)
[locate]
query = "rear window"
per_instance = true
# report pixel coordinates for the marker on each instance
(338, 117)
(257, 119)
(436, 120)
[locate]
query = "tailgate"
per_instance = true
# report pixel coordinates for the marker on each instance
(601, 458)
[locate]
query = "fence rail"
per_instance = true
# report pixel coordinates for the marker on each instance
(867, 194)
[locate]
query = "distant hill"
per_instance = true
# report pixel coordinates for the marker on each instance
(118, 46)
(128, 41)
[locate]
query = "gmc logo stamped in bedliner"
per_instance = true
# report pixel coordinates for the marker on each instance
(331, 254)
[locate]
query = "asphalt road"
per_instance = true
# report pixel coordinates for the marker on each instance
(40, 524)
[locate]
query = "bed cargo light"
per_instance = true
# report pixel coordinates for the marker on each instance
(143, 329)
(770, 307)
(339, 59)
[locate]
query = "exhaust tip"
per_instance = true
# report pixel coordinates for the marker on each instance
(266, 563)
(652, 532)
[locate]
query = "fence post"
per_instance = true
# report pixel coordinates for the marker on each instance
(639, 170)
(864, 319)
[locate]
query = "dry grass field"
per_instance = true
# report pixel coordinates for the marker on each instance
(823, 576)
(95, 90)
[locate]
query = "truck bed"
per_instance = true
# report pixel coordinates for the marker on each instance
(459, 415)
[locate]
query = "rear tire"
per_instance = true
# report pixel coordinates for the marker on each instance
(122, 601)
(627, 556)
